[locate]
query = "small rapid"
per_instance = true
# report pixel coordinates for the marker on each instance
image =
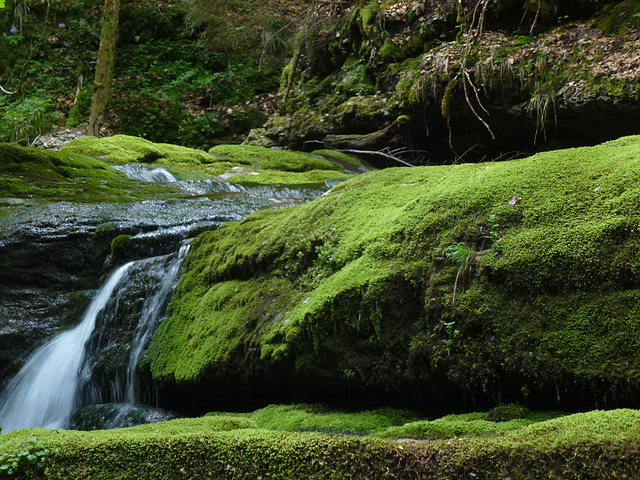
(146, 174)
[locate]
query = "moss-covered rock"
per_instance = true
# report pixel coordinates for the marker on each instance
(123, 149)
(34, 173)
(367, 293)
(597, 445)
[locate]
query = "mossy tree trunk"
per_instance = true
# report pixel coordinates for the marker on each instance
(104, 66)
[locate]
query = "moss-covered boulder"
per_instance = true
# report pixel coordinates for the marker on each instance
(235, 163)
(513, 281)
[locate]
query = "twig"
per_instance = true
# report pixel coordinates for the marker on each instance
(475, 90)
(459, 157)
(535, 19)
(6, 91)
(36, 435)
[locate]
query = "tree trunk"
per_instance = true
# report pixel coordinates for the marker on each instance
(104, 66)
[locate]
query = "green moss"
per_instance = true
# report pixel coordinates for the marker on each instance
(124, 149)
(619, 17)
(465, 425)
(618, 89)
(318, 418)
(270, 159)
(390, 50)
(368, 16)
(352, 291)
(598, 445)
(30, 172)
(504, 413)
(120, 245)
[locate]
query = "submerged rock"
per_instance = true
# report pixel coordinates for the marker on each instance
(116, 415)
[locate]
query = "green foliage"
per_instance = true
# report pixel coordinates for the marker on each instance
(243, 28)
(459, 254)
(161, 75)
(26, 119)
(167, 87)
(29, 459)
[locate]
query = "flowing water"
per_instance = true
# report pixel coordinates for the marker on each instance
(43, 393)
(146, 174)
(68, 371)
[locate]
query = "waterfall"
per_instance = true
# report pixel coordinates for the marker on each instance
(94, 375)
(47, 390)
(151, 311)
(43, 393)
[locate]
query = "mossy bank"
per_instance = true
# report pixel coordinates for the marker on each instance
(233, 163)
(447, 285)
(596, 445)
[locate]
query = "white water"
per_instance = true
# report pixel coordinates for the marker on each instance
(148, 323)
(43, 393)
(146, 174)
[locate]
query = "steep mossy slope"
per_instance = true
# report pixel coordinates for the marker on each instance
(478, 283)
(474, 78)
(596, 445)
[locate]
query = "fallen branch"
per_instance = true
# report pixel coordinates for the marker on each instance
(377, 153)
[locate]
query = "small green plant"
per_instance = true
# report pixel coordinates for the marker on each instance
(26, 119)
(451, 333)
(494, 234)
(540, 102)
(460, 254)
(31, 457)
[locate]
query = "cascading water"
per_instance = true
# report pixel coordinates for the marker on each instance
(146, 174)
(46, 391)
(43, 393)
(151, 312)
(154, 278)
(117, 401)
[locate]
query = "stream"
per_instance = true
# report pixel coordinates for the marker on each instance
(91, 374)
